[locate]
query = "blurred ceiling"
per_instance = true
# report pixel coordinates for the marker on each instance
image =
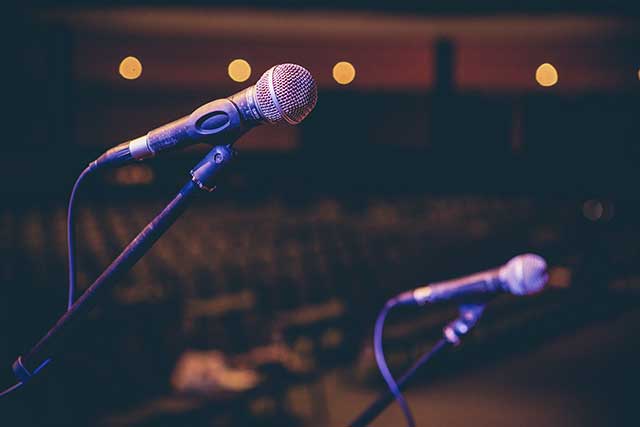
(324, 25)
(190, 47)
(408, 6)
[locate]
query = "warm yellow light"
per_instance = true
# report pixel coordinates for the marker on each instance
(239, 70)
(130, 68)
(344, 72)
(638, 73)
(546, 75)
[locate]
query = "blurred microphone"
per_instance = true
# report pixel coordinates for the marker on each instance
(285, 92)
(523, 275)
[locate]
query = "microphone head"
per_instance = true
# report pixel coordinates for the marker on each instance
(524, 275)
(286, 92)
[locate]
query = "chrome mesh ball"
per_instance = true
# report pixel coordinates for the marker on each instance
(525, 274)
(286, 92)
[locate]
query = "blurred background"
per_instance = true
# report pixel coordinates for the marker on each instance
(448, 137)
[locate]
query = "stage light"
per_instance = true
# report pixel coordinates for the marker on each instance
(546, 75)
(344, 72)
(130, 68)
(239, 70)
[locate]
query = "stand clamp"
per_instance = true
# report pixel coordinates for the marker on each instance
(205, 173)
(469, 316)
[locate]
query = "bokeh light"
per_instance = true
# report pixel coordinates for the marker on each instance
(239, 70)
(546, 75)
(593, 209)
(344, 72)
(599, 210)
(130, 68)
(133, 175)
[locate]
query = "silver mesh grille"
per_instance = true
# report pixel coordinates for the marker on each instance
(286, 92)
(525, 274)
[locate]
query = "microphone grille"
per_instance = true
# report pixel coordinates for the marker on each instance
(525, 274)
(286, 92)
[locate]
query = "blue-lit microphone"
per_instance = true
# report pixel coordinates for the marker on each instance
(523, 275)
(284, 93)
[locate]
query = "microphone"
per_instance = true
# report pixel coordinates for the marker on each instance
(285, 92)
(522, 275)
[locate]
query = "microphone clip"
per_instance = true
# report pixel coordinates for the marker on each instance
(469, 316)
(206, 173)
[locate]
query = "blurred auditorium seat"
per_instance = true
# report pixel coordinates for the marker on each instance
(292, 291)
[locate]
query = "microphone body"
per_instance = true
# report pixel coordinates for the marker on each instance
(285, 92)
(222, 121)
(522, 275)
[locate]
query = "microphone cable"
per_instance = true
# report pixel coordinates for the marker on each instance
(382, 363)
(71, 241)
(20, 383)
(71, 259)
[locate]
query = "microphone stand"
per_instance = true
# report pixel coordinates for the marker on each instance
(203, 177)
(469, 316)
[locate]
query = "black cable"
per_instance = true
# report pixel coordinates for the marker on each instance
(20, 383)
(382, 363)
(385, 399)
(71, 244)
(71, 259)
(468, 318)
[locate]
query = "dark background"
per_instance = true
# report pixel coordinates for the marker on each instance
(443, 157)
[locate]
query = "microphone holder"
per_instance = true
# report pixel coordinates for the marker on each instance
(203, 177)
(469, 316)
